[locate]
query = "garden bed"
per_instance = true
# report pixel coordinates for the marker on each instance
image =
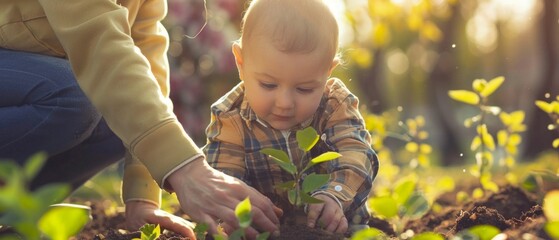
(514, 211)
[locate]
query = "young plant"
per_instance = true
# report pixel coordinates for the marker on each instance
(481, 232)
(299, 189)
(243, 212)
(551, 212)
(509, 138)
(484, 142)
(416, 142)
(32, 213)
(402, 204)
(552, 109)
(149, 232)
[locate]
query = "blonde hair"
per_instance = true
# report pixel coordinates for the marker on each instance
(293, 26)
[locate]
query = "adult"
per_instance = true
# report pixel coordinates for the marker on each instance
(87, 82)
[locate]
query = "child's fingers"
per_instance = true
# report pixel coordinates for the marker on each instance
(342, 226)
(314, 211)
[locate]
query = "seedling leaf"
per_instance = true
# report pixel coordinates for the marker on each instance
(428, 236)
(327, 156)
(464, 96)
(200, 230)
(243, 213)
(416, 206)
(150, 232)
(286, 185)
(385, 207)
(545, 106)
(403, 190)
(275, 153)
(491, 86)
(62, 221)
(485, 232)
(281, 158)
(551, 206)
(52, 193)
(306, 198)
(314, 181)
(263, 236)
(368, 234)
(307, 138)
(552, 229)
(33, 165)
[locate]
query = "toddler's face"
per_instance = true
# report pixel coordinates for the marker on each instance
(283, 89)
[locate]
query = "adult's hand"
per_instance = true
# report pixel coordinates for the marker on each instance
(208, 195)
(139, 213)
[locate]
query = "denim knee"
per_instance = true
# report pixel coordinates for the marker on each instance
(41, 105)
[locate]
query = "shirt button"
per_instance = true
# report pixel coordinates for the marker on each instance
(338, 188)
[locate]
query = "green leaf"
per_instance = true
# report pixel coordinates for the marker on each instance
(243, 213)
(34, 164)
(236, 235)
(52, 193)
(428, 236)
(62, 221)
(530, 183)
(292, 196)
(555, 143)
(403, 190)
(416, 206)
(281, 158)
(263, 236)
(313, 181)
(277, 154)
(551, 205)
(307, 138)
(464, 96)
(306, 198)
(286, 185)
(368, 234)
(479, 84)
(327, 156)
(544, 106)
(491, 86)
(200, 230)
(150, 231)
(385, 207)
(552, 229)
(485, 232)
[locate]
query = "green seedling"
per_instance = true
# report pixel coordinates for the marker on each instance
(552, 109)
(243, 212)
(416, 144)
(551, 212)
(403, 204)
(480, 232)
(149, 232)
(31, 213)
(483, 143)
(508, 140)
(299, 189)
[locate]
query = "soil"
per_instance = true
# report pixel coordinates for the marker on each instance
(514, 211)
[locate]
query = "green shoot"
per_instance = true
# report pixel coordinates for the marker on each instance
(30, 214)
(484, 142)
(299, 190)
(551, 212)
(552, 109)
(481, 232)
(149, 232)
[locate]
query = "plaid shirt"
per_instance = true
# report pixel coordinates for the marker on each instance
(236, 136)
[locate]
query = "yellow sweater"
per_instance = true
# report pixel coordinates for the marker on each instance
(117, 50)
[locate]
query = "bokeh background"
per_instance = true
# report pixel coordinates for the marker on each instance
(401, 57)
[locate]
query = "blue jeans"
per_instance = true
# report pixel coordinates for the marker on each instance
(42, 109)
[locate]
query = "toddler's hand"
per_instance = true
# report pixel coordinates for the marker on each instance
(328, 215)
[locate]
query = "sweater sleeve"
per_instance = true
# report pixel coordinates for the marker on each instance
(126, 82)
(353, 173)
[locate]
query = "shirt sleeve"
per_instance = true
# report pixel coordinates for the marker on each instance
(353, 173)
(224, 150)
(127, 83)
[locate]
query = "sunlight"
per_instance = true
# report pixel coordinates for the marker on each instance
(339, 9)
